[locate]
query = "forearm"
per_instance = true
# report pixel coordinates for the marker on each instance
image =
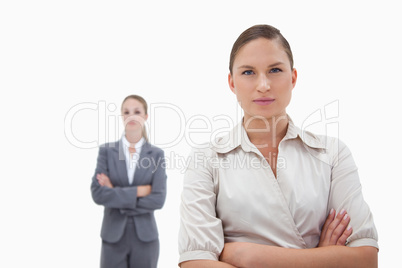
(340, 256)
(205, 264)
(255, 255)
(156, 198)
(135, 211)
(152, 201)
(117, 197)
(109, 196)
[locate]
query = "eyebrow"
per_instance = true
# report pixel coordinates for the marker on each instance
(251, 67)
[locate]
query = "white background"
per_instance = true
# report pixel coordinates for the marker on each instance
(55, 55)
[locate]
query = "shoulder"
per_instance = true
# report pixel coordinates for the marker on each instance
(333, 149)
(208, 149)
(320, 142)
(109, 146)
(329, 143)
(203, 158)
(155, 150)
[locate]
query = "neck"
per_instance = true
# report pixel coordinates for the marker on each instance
(133, 137)
(269, 131)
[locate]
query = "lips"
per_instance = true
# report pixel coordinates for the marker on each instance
(263, 101)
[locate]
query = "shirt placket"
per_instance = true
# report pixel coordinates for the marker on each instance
(281, 197)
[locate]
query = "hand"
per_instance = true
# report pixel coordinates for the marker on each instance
(104, 180)
(335, 231)
(143, 190)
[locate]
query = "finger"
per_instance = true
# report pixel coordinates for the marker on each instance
(344, 236)
(340, 228)
(101, 181)
(334, 224)
(105, 177)
(330, 228)
(329, 220)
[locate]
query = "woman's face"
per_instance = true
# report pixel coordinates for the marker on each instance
(133, 113)
(262, 79)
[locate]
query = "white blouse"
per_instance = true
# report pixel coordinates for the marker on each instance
(230, 194)
(132, 158)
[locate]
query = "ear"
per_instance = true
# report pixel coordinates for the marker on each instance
(294, 77)
(146, 117)
(231, 83)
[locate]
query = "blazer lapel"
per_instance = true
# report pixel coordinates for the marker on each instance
(143, 164)
(120, 161)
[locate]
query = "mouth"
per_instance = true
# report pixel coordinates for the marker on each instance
(263, 101)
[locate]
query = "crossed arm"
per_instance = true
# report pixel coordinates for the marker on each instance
(142, 190)
(133, 200)
(331, 252)
(254, 255)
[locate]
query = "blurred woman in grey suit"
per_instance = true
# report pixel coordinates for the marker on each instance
(130, 182)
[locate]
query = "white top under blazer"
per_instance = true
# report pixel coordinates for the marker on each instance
(131, 158)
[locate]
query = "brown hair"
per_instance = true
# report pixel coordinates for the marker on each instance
(144, 103)
(259, 31)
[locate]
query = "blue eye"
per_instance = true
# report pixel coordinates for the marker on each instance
(248, 72)
(275, 70)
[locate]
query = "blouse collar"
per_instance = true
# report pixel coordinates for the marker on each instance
(238, 137)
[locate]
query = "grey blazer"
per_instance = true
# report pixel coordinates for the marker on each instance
(121, 201)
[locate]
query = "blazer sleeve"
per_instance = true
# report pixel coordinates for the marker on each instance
(156, 199)
(117, 197)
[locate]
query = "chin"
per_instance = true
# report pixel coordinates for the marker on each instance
(132, 127)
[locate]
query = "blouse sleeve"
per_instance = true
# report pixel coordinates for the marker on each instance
(201, 231)
(346, 193)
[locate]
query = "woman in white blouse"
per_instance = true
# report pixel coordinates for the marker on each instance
(269, 194)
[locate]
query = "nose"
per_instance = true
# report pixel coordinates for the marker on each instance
(264, 84)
